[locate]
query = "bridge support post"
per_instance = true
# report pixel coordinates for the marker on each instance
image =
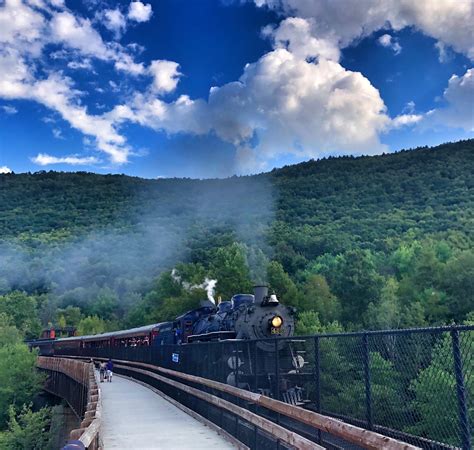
(464, 427)
(368, 387)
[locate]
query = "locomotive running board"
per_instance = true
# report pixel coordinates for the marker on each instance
(216, 335)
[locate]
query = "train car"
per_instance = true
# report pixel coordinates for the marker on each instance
(149, 335)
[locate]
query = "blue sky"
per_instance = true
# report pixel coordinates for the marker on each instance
(125, 87)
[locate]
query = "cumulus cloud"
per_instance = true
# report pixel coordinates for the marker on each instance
(115, 21)
(281, 104)
(443, 52)
(5, 169)
(77, 33)
(448, 21)
(406, 119)
(43, 159)
(387, 41)
(139, 12)
(165, 75)
(459, 110)
(294, 34)
(7, 109)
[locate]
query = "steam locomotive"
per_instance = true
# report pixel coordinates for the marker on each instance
(245, 326)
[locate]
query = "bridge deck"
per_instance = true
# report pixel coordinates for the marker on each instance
(134, 417)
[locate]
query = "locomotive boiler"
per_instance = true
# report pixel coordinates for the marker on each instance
(246, 316)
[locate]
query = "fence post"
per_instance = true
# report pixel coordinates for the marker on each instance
(277, 371)
(255, 367)
(317, 375)
(368, 388)
(461, 392)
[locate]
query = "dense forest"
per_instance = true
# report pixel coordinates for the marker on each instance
(369, 242)
(353, 243)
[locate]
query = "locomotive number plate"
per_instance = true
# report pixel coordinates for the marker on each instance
(274, 330)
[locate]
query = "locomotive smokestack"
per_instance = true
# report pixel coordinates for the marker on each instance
(260, 292)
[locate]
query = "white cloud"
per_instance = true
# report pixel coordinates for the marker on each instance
(282, 102)
(21, 26)
(459, 109)
(77, 33)
(443, 52)
(139, 12)
(9, 109)
(115, 21)
(43, 159)
(387, 41)
(57, 133)
(294, 34)
(448, 21)
(409, 108)
(165, 75)
(85, 64)
(57, 93)
(5, 169)
(27, 28)
(406, 119)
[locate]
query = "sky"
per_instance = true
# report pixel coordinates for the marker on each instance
(213, 88)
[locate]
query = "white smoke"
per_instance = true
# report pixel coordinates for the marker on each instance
(208, 285)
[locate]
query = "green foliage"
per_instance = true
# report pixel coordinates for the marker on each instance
(317, 296)
(229, 267)
(22, 310)
(26, 430)
(91, 325)
(371, 242)
(9, 334)
(308, 323)
(19, 380)
(386, 314)
(435, 392)
(281, 282)
(69, 316)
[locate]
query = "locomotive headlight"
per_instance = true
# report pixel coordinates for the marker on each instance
(277, 322)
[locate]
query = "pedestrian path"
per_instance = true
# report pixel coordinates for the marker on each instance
(135, 418)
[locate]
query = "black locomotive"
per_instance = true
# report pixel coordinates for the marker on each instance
(245, 316)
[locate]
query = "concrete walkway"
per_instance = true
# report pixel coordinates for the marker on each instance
(134, 417)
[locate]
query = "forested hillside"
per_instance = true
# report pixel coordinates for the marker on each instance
(370, 242)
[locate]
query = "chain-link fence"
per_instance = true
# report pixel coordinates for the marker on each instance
(415, 385)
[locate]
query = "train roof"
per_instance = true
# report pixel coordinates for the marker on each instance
(116, 334)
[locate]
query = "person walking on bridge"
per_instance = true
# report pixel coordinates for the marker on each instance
(110, 367)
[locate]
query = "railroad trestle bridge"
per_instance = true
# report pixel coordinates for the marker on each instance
(401, 389)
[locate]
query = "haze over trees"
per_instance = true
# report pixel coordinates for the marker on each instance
(370, 242)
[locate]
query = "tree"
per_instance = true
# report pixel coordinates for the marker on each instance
(318, 297)
(91, 325)
(19, 380)
(458, 282)
(22, 310)
(106, 304)
(229, 267)
(282, 284)
(356, 283)
(434, 390)
(27, 430)
(69, 316)
(9, 334)
(308, 323)
(386, 314)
